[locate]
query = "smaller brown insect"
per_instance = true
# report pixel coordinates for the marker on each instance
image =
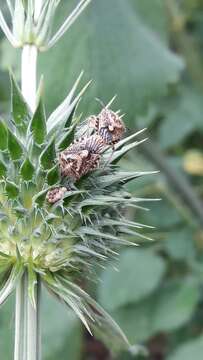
(109, 125)
(55, 195)
(81, 157)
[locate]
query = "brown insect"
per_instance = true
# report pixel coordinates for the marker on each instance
(81, 157)
(109, 125)
(55, 195)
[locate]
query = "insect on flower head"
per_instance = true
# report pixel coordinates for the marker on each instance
(108, 124)
(81, 157)
(56, 194)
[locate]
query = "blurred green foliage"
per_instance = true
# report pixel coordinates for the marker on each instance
(150, 54)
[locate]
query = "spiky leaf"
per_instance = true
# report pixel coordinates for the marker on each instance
(3, 136)
(19, 107)
(48, 156)
(11, 189)
(2, 169)
(68, 137)
(14, 146)
(39, 199)
(38, 124)
(27, 170)
(53, 175)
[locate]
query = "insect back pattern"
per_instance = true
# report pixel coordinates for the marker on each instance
(81, 157)
(108, 125)
(84, 154)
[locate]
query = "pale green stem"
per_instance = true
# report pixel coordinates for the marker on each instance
(27, 326)
(29, 75)
(20, 320)
(33, 326)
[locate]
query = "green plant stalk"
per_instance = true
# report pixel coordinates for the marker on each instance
(33, 325)
(27, 314)
(20, 320)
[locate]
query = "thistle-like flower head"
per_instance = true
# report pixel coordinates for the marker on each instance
(63, 201)
(32, 22)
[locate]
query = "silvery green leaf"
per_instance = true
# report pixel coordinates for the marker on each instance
(122, 177)
(60, 115)
(128, 138)
(10, 7)
(45, 23)
(11, 282)
(3, 136)
(68, 22)
(120, 153)
(18, 20)
(7, 31)
(99, 319)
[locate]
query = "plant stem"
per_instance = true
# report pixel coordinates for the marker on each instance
(29, 75)
(33, 325)
(20, 320)
(27, 317)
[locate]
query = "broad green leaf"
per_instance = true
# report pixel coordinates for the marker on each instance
(3, 136)
(19, 107)
(175, 305)
(38, 124)
(140, 273)
(180, 245)
(181, 120)
(48, 156)
(153, 15)
(135, 320)
(168, 309)
(162, 215)
(193, 349)
(103, 51)
(14, 147)
(11, 189)
(53, 175)
(27, 170)
(3, 169)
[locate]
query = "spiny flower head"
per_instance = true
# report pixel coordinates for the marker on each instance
(32, 22)
(63, 201)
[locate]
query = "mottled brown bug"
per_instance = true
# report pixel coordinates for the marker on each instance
(109, 125)
(55, 195)
(81, 157)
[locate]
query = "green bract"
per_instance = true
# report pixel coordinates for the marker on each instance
(32, 22)
(59, 243)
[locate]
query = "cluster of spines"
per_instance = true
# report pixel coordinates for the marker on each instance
(84, 154)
